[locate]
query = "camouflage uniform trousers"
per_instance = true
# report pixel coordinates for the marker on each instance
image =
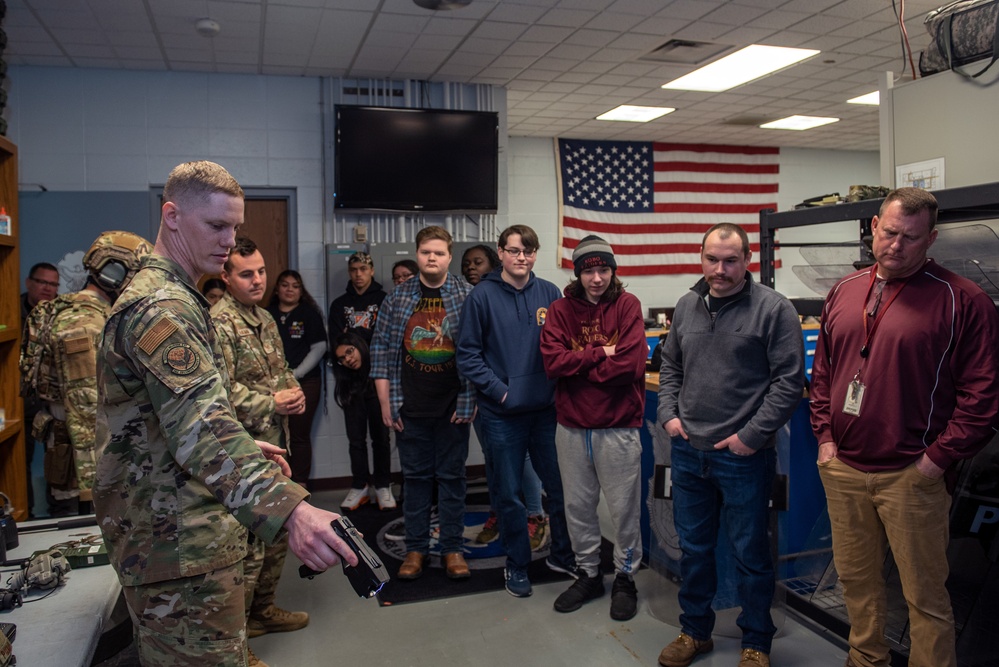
(197, 621)
(262, 571)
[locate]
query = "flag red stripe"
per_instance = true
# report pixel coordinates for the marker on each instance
(660, 269)
(742, 188)
(639, 228)
(712, 148)
(717, 167)
(712, 208)
(657, 248)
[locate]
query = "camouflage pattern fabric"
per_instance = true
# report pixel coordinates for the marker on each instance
(268, 576)
(195, 621)
(254, 356)
(71, 339)
(177, 475)
(252, 565)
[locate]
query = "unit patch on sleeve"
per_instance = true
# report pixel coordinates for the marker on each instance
(181, 359)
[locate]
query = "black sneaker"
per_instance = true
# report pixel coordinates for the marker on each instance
(582, 590)
(570, 570)
(624, 598)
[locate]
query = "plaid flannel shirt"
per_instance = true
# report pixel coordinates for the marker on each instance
(386, 344)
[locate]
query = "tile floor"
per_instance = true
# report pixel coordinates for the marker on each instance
(496, 630)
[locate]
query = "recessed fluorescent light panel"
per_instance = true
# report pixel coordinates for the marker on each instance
(635, 114)
(740, 67)
(798, 123)
(872, 99)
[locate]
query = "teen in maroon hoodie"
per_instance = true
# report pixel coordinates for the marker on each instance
(593, 343)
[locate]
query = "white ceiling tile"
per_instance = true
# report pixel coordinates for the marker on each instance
(569, 18)
(577, 56)
(733, 14)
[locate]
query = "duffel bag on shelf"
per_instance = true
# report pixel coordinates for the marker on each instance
(961, 33)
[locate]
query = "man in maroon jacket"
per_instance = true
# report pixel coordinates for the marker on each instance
(593, 344)
(904, 385)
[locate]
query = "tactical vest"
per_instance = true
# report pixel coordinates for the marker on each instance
(38, 364)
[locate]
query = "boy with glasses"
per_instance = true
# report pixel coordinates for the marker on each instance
(498, 351)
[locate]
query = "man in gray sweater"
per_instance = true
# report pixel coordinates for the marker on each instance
(732, 375)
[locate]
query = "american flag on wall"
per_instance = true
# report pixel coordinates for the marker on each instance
(653, 201)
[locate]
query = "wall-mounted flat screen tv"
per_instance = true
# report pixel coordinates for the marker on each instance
(416, 159)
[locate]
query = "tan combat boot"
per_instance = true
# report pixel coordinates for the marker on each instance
(275, 619)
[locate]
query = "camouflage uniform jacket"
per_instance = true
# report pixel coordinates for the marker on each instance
(75, 336)
(176, 472)
(254, 357)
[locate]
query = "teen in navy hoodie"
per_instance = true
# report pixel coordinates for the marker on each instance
(498, 351)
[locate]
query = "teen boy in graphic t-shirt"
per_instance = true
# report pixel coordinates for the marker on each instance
(424, 400)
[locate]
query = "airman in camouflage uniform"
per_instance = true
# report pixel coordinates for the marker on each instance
(263, 391)
(69, 329)
(179, 480)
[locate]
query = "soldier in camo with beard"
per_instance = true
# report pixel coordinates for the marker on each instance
(263, 392)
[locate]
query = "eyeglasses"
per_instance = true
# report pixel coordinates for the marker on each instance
(517, 252)
(47, 283)
(348, 352)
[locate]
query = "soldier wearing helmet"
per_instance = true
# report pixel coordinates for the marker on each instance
(63, 336)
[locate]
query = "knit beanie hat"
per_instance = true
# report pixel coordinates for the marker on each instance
(592, 251)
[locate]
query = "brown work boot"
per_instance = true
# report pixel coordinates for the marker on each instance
(683, 650)
(753, 658)
(275, 619)
(456, 567)
(253, 660)
(412, 567)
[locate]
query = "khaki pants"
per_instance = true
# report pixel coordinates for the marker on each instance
(907, 511)
(196, 621)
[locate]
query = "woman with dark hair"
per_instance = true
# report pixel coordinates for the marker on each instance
(303, 334)
(403, 270)
(355, 394)
(477, 261)
(213, 290)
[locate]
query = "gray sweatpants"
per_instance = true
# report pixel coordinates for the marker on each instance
(609, 459)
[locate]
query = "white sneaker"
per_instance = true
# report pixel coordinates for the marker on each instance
(355, 498)
(386, 501)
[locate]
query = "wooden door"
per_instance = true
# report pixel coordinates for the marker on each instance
(266, 222)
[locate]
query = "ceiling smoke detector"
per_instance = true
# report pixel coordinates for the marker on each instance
(207, 27)
(442, 4)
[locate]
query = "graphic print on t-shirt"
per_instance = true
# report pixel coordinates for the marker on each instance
(296, 329)
(361, 319)
(428, 342)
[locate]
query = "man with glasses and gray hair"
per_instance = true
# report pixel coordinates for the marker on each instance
(499, 352)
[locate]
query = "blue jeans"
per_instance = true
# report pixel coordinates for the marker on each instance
(428, 448)
(709, 486)
(508, 440)
(531, 481)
